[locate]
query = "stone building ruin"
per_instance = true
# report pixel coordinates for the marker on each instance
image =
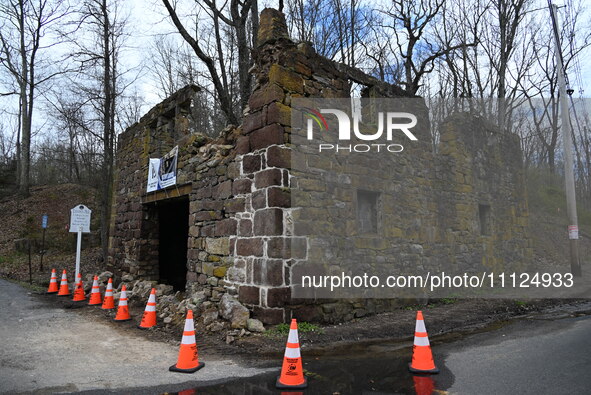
(226, 226)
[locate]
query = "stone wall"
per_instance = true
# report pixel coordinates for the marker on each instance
(242, 238)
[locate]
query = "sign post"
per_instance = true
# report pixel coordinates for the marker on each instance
(79, 223)
(44, 226)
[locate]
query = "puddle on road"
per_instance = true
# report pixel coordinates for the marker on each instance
(380, 373)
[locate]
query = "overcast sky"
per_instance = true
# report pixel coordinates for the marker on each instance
(148, 18)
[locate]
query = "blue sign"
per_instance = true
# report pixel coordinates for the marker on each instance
(44, 221)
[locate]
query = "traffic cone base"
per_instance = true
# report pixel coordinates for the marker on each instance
(173, 368)
(281, 386)
(422, 357)
(431, 371)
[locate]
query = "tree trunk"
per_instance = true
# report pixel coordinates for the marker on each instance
(108, 126)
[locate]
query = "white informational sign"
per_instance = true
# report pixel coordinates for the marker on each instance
(80, 219)
(573, 232)
(162, 172)
(79, 223)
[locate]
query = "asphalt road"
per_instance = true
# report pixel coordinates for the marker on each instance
(531, 356)
(48, 349)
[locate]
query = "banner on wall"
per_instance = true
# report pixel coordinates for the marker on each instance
(162, 171)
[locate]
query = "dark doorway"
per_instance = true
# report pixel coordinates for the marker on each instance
(173, 218)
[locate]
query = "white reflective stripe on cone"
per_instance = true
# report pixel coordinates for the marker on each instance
(122, 302)
(108, 293)
(188, 339)
(421, 341)
(292, 352)
(150, 308)
(293, 336)
(420, 327)
(189, 325)
(152, 299)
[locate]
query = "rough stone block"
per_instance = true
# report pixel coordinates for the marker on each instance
(234, 205)
(249, 294)
(236, 274)
(245, 227)
(226, 227)
(207, 215)
(269, 135)
(223, 190)
(242, 145)
(265, 95)
(259, 199)
(268, 272)
(278, 197)
(241, 186)
(267, 178)
(218, 246)
(270, 316)
(307, 313)
(250, 246)
(289, 80)
(279, 113)
(268, 222)
(279, 157)
(220, 271)
(278, 297)
(253, 121)
(251, 163)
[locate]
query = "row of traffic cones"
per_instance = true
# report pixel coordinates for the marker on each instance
(292, 373)
(148, 319)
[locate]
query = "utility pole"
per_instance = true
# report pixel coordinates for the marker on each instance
(571, 201)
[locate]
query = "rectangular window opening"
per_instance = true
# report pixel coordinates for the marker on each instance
(367, 211)
(485, 220)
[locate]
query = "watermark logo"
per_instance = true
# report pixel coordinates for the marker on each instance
(391, 123)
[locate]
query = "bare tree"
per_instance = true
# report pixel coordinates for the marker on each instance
(233, 14)
(98, 47)
(412, 27)
(24, 26)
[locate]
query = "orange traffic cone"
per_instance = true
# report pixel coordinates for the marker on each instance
(123, 309)
(188, 361)
(79, 295)
(95, 294)
(53, 288)
(422, 358)
(149, 318)
(64, 290)
(109, 301)
(292, 372)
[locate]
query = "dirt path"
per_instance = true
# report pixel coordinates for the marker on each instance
(48, 349)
